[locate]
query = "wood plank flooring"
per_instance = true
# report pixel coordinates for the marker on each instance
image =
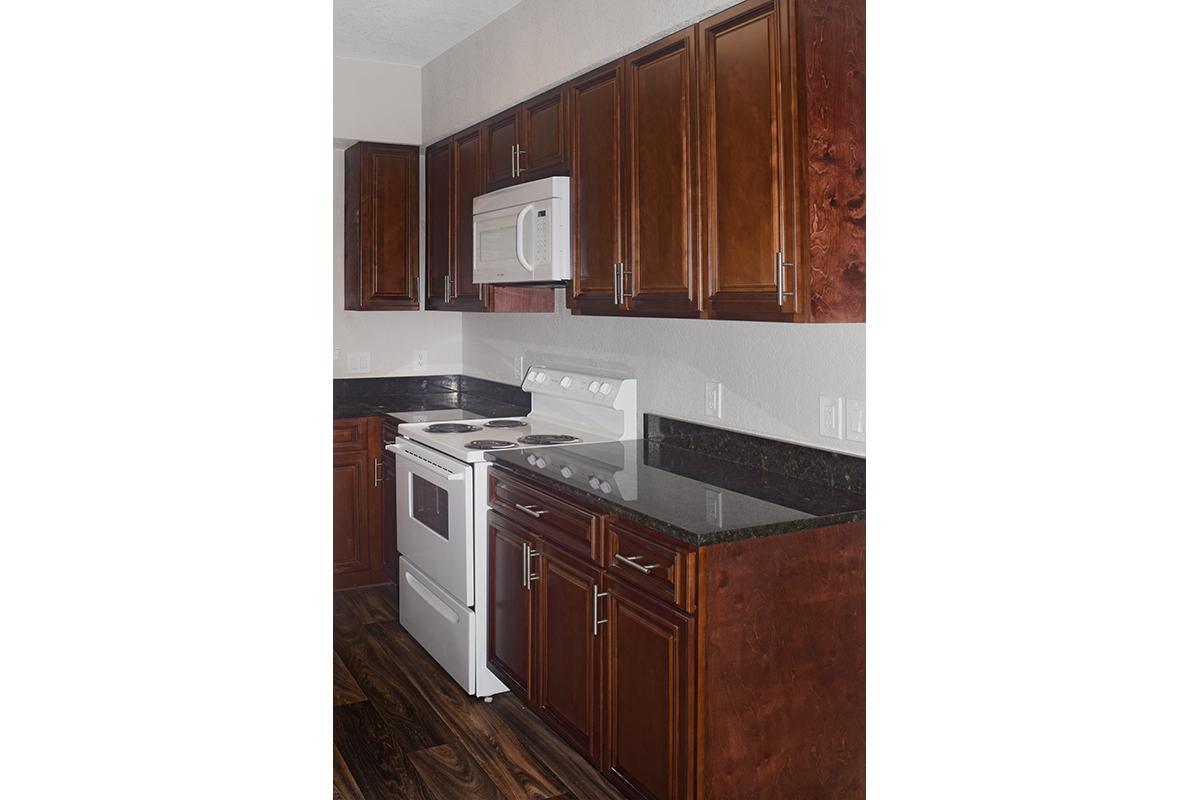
(402, 728)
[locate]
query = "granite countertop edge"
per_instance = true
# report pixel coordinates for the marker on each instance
(682, 534)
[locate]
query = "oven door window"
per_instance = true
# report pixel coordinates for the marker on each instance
(430, 506)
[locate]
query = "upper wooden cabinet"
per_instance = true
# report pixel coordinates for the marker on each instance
(382, 260)
(528, 141)
(455, 169)
(597, 200)
(783, 162)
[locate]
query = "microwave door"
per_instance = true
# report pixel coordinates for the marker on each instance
(501, 246)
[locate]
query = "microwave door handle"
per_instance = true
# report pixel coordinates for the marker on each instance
(521, 237)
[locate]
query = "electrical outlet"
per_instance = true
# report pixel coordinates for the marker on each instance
(831, 417)
(422, 359)
(337, 352)
(712, 399)
(358, 362)
(856, 420)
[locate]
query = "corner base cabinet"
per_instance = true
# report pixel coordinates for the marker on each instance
(364, 503)
(734, 671)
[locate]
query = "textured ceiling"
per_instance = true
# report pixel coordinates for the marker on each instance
(408, 31)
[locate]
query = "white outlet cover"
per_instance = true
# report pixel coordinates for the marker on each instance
(831, 417)
(712, 399)
(358, 362)
(422, 358)
(856, 420)
(337, 352)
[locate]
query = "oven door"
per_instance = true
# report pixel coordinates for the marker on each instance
(503, 251)
(434, 525)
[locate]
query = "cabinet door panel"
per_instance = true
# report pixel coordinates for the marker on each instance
(382, 256)
(569, 650)
(468, 184)
(648, 738)
(499, 143)
(439, 224)
(744, 130)
(351, 517)
(663, 218)
(544, 136)
(596, 199)
(511, 606)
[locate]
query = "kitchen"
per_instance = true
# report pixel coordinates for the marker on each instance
(679, 601)
(550, 507)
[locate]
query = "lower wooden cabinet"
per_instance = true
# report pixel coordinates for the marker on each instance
(511, 605)
(650, 696)
(569, 637)
(737, 673)
(364, 525)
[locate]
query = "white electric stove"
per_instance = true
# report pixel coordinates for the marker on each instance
(441, 506)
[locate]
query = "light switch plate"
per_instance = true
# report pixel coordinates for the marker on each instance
(358, 362)
(337, 352)
(856, 420)
(422, 359)
(712, 399)
(831, 417)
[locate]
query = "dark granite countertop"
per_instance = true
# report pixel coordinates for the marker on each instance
(470, 408)
(444, 394)
(688, 495)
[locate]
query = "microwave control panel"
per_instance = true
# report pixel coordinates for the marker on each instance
(541, 237)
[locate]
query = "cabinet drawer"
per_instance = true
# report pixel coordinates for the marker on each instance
(573, 527)
(349, 434)
(646, 560)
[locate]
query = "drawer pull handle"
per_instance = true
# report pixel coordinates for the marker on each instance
(532, 511)
(596, 621)
(632, 562)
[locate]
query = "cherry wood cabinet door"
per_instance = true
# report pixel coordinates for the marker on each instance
(597, 204)
(500, 136)
(382, 260)
(351, 512)
(439, 222)
(663, 234)
(511, 606)
(569, 647)
(467, 171)
(746, 125)
(649, 749)
(543, 136)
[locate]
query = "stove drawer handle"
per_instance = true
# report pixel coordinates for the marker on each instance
(532, 511)
(632, 562)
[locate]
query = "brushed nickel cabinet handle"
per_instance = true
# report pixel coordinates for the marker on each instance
(779, 265)
(616, 280)
(632, 562)
(446, 288)
(532, 511)
(512, 161)
(530, 555)
(596, 621)
(378, 479)
(525, 565)
(519, 153)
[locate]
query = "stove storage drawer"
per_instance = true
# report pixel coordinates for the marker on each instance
(570, 525)
(652, 563)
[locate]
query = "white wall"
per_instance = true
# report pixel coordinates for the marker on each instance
(772, 374)
(538, 44)
(382, 103)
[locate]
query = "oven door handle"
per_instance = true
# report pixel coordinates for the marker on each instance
(418, 460)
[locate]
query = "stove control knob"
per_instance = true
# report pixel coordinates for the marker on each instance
(540, 377)
(565, 382)
(594, 482)
(541, 462)
(605, 487)
(532, 460)
(605, 388)
(594, 387)
(567, 472)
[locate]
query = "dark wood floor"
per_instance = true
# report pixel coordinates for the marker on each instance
(402, 728)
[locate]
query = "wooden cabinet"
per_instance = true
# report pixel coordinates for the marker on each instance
(454, 175)
(783, 161)
(511, 603)
(735, 671)
(650, 696)
(389, 555)
(597, 199)
(382, 260)
(527, 142)
(569, 649)
(360, 556)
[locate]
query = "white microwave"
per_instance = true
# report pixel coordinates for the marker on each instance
(523, 233)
